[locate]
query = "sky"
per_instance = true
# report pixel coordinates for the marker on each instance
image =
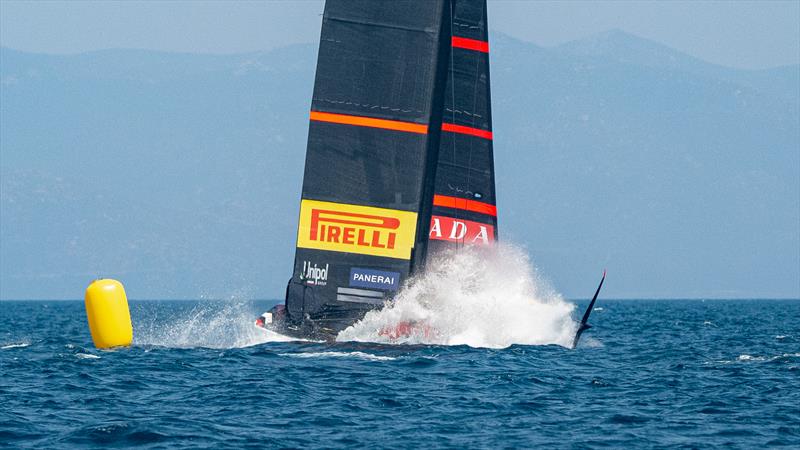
(736, 34)
(741, 34)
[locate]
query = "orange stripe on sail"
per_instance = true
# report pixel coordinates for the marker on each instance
(453, 128)
(371, 122)
(465, 204)
(470, 44)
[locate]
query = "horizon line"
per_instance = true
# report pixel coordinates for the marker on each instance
(278, 300)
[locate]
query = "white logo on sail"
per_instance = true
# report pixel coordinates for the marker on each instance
(314, 275)
(464, 231)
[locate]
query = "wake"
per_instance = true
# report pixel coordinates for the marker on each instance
(477, 296)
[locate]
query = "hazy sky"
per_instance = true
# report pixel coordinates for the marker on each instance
(745, 34)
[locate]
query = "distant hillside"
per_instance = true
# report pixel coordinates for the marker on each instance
(180, 174)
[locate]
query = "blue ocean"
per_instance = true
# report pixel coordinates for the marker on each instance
(650, 374)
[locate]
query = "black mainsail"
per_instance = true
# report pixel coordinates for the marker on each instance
(464, 210)
(399, 159)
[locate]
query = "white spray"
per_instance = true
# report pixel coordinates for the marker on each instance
(481, 296)
(214, 324)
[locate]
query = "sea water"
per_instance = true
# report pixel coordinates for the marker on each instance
(650, 374)
(497, 373)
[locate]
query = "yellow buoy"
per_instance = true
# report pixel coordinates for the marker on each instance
(108, 314)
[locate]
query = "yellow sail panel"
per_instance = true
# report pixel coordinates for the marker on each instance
(358, 229)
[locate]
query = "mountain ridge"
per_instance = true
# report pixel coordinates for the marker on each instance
(181, 173)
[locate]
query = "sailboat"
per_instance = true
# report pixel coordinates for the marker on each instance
(399, 161)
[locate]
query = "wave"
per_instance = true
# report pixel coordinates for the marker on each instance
(331, 354)
(15, 345)
(746, 358)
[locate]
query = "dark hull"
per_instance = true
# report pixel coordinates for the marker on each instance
(304, 330)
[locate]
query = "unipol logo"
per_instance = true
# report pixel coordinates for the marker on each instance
(356, 229)
(314, 275)
(459, 230)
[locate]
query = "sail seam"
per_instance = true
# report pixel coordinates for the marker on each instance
(464, 25)
(366, 105)
(377, 24)
(467, 113)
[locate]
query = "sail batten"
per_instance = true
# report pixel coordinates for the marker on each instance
(465, 204)
(472, 131)
(372, 122)
(470, 44)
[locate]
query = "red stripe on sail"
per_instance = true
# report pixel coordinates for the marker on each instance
(470, 44)
(371, 122)
(465, 204)
(453, 128)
